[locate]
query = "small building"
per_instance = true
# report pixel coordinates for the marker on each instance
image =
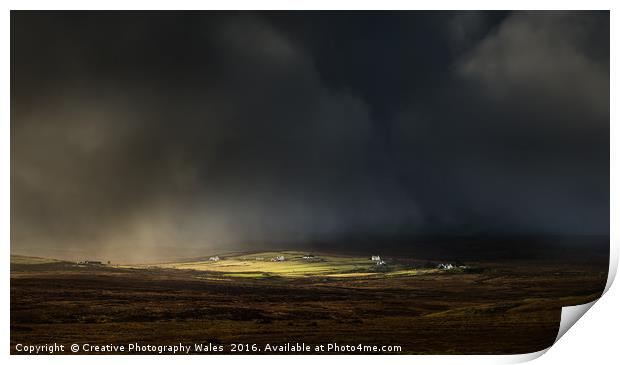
(278, 258)
(375, 258)
(446, 266)
(308, 257)
(89, 262)
(214, 258)
(380, 263)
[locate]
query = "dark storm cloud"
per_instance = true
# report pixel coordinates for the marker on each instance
(465, 28)
(521, 131)
(252, 148)
(547, 60)
(136, 132)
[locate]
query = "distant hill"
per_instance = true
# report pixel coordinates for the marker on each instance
(32, 260)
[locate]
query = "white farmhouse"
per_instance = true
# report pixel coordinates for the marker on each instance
(375, 258)
(214, 258)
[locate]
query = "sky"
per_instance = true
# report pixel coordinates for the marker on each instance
(145, 134)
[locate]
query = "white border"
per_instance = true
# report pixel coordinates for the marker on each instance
(597, 334)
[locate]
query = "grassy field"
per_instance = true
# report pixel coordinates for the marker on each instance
(496, 308)
(260, 265)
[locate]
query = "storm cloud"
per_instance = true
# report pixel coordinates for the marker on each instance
(137, 133)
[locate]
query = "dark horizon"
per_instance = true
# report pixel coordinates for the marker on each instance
(133, 132)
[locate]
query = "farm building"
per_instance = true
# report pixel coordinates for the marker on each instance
(308, 257)
(214, 258)
(278, 258)
(375, 258)
(446, 266)
(90, 262)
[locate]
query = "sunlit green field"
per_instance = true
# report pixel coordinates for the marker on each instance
(260, 265)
